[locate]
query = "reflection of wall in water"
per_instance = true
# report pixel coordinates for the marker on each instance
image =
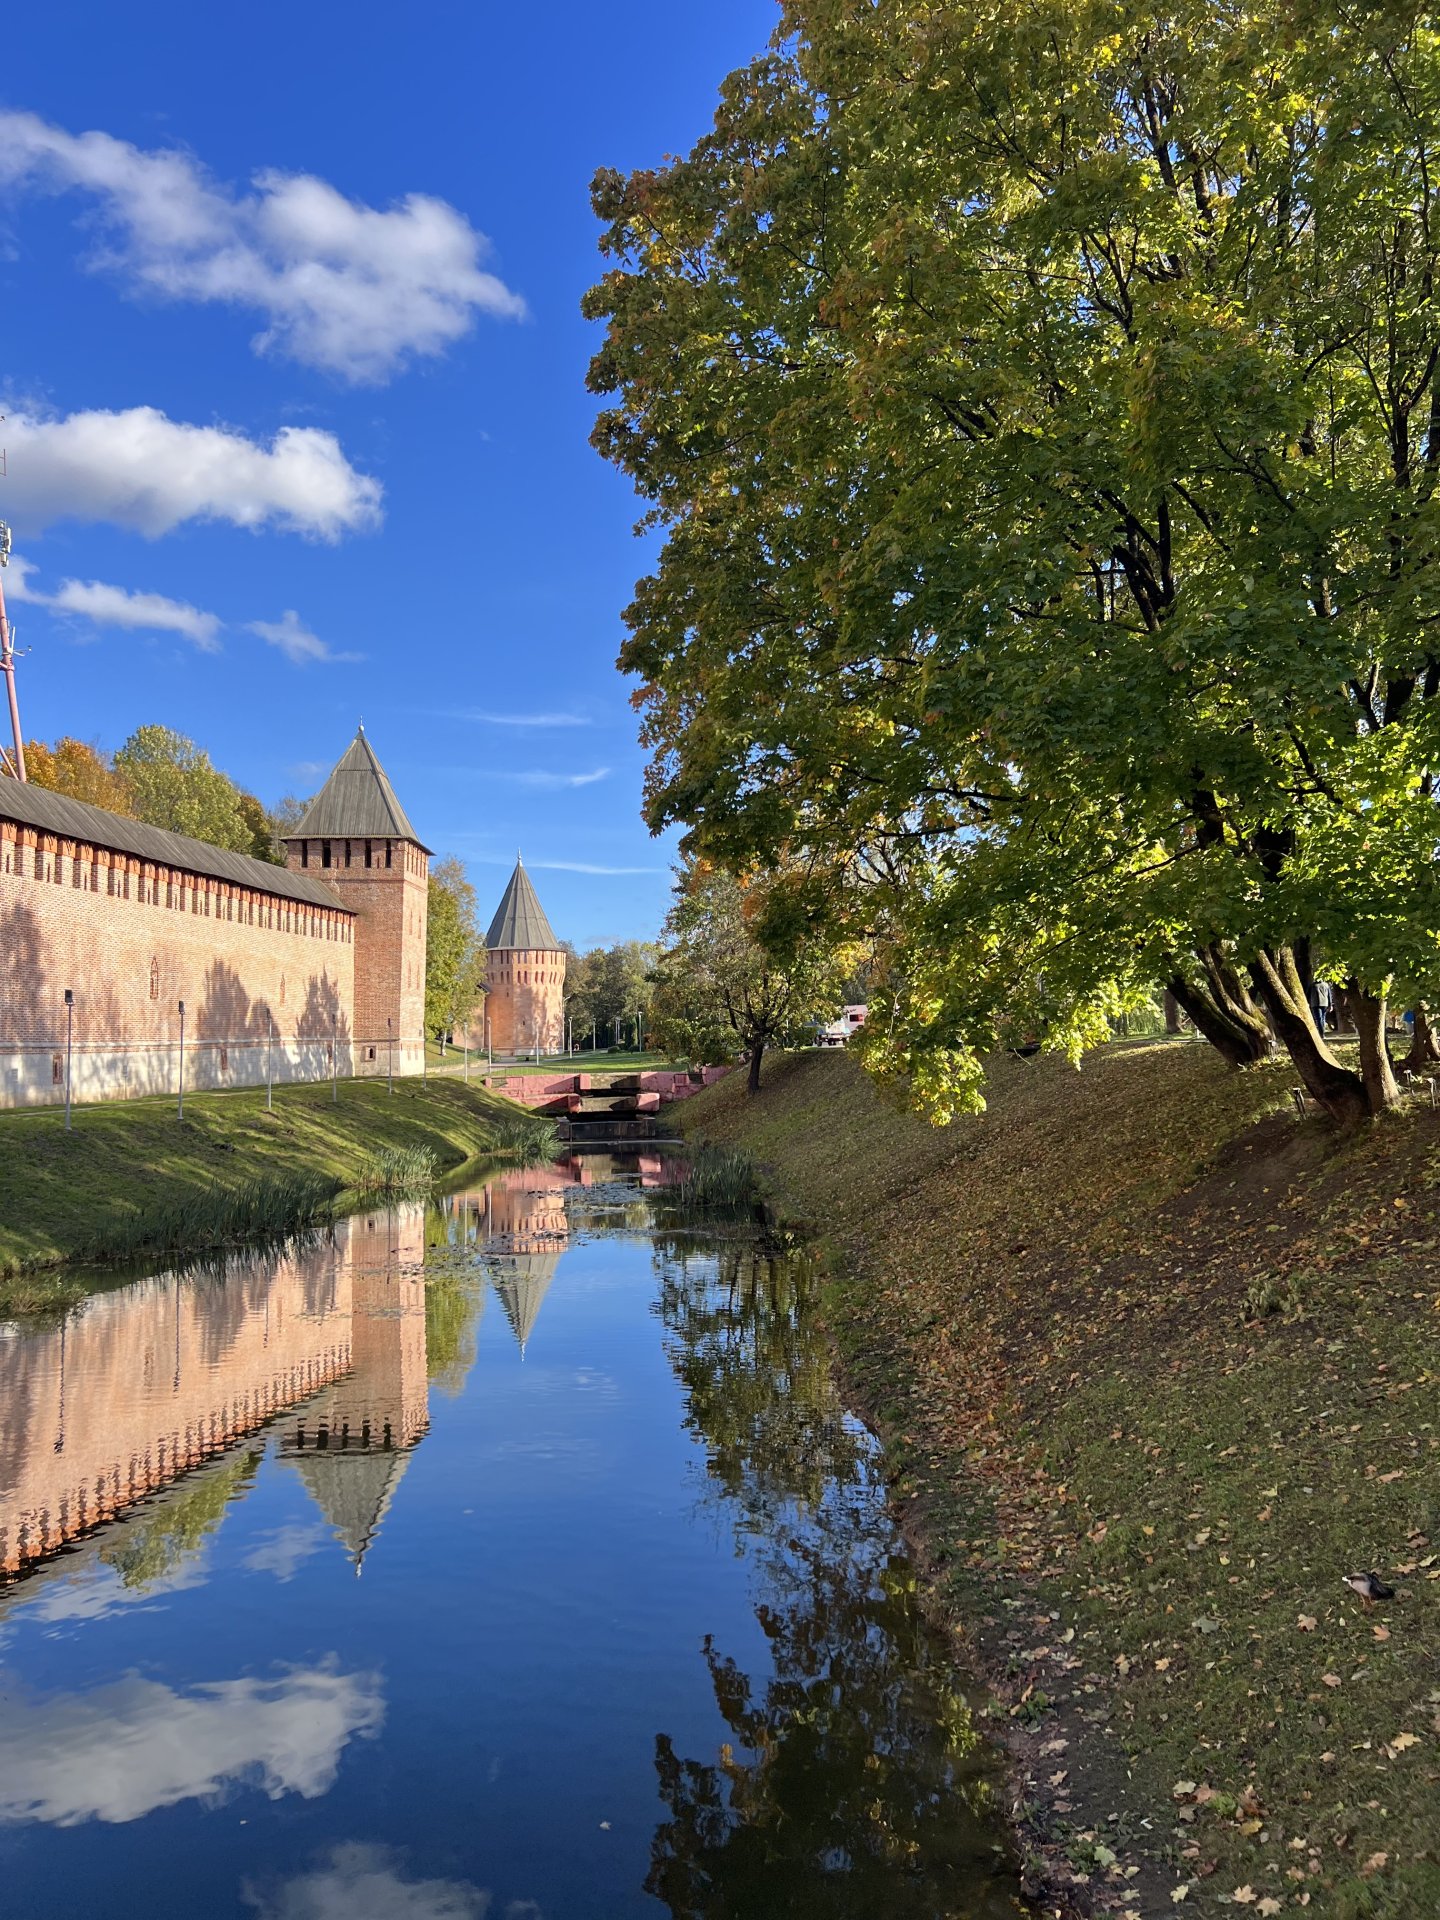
(351, 1445)
(143, 1383)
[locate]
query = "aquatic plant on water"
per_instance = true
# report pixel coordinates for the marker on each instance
(530, 1137)
(721, 1183)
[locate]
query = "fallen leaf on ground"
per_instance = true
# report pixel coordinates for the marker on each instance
(1331, 1679)
(1306, 1623)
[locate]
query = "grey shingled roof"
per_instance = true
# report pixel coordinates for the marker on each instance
(32, 806)
(353, 1489)
(357, 802)
(520, 919)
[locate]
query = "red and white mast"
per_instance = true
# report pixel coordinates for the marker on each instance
(13, 762)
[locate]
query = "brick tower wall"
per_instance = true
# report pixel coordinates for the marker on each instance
(390, 899)
(267, 981)
(525, 998)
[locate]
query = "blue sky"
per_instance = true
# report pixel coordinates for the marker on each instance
(288, 447)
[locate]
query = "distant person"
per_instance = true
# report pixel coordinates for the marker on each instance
(1322, 1002)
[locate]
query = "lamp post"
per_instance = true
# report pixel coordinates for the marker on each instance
(269, 1067)
(424, 1063)
(390, 1038)
(334, 1057)
(180, 1111)
(489, 1049)
(69, 1042)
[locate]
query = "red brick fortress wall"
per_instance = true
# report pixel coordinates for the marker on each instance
(131, 939)
(525, 1002)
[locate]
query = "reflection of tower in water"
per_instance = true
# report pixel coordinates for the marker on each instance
(352, 1444)
(521, 1227)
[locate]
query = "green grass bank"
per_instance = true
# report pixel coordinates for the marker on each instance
(61, 1194)
(1155, 1362)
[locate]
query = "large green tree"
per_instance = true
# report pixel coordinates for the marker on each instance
(1040, 408)
(173, 784)
(454, 950)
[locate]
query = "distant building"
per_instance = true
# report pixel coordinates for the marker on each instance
(525, 974)
(839, 1031)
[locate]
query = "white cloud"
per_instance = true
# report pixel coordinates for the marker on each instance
(121, 1751)
(299, 645)
(363, 1883)
(141, 470)
(109, 606)
(284, 1551)
(352, 289)
(519, 719)
(540, 778)
(584, 866)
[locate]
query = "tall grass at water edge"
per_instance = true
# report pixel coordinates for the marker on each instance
(721, 1184)
(396, 1173)
(262, 1209)
(529, 1136)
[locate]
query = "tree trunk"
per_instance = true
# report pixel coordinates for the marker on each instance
(1232, 1041)
(1342, 1011)
(757, 1054)
(1423, 1049)
(1172, 1012)
(1376, 1071)
(1339, 1091)
(1233, 996)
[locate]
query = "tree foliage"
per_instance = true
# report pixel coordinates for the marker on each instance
(80, 770)
(608, 987)
(454, 949)
(720, 987)
(174, 784)
(1041, 412)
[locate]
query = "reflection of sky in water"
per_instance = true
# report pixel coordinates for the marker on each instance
(467, 1628)
(123, 1750)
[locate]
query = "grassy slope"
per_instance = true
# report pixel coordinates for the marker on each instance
(1156, 1363)
(59, 1190)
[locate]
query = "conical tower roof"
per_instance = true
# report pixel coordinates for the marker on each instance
(522, 1282)
(353, 1489)
(520, 919)
(357, 802)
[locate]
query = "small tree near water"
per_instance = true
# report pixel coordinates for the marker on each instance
(718, 988)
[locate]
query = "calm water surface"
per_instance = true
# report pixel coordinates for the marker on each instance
(510, 1558)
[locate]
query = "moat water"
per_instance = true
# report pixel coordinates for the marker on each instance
(511, 1557)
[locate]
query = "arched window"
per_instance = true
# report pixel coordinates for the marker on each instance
(154, 979)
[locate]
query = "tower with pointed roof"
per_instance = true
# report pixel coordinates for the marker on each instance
(356, 838)
(525, 974)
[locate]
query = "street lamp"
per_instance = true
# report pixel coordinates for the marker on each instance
(69, 1041)
(181, 1108)
(269, 1067)
(334, 1057)
(390, 1033)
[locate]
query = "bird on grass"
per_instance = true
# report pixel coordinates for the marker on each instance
(1369, 1586)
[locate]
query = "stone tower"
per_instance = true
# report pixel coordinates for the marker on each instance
(525, 974)
(355, 837)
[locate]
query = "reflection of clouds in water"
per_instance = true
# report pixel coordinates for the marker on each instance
(97, 1591)
(364, 1883)
(121, 1751)
(284, 1551)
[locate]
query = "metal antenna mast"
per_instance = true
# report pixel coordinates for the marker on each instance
(14, 761)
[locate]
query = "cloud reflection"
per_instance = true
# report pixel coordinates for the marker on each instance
(122, 1751)
(364, 1883)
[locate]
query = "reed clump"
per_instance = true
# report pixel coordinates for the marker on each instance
(397, 1173)
(262, 1209)
(722, 1184)
(529, 1137)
